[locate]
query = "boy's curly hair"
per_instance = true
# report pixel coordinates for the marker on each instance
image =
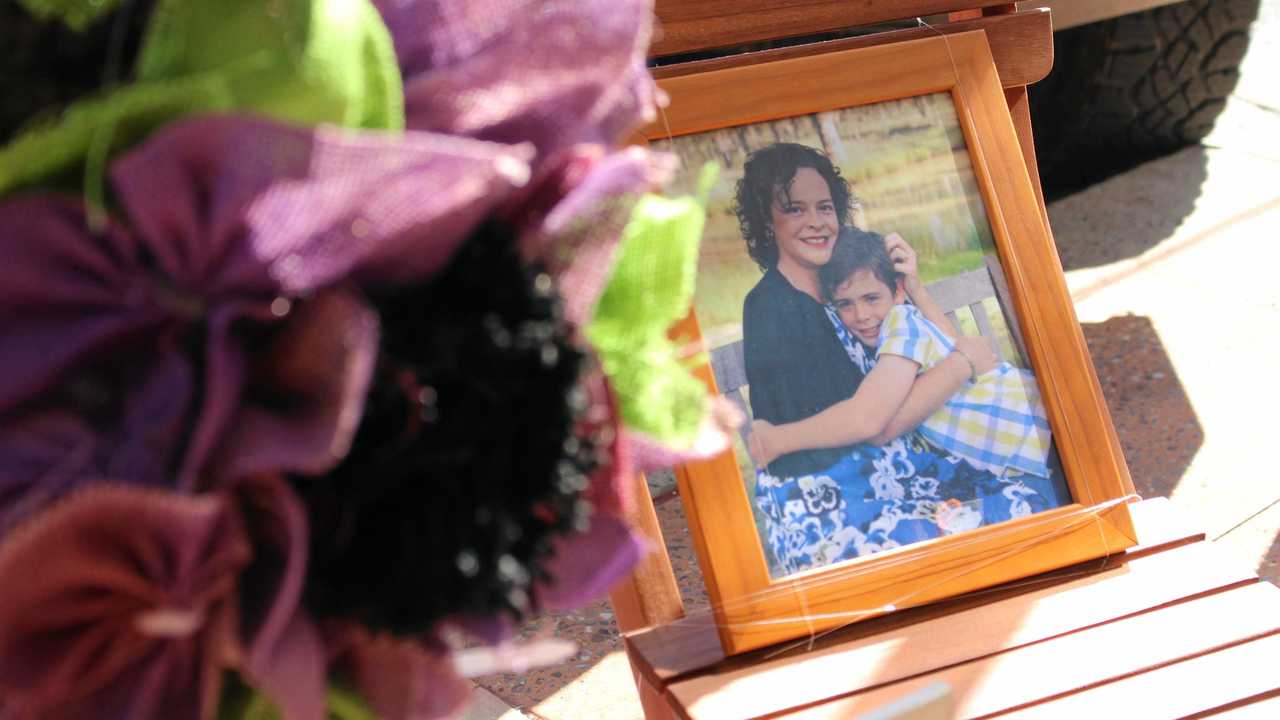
(856, 250)
(767, 174)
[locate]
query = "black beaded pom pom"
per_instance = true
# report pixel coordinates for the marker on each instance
(45, 65)
(466, 463)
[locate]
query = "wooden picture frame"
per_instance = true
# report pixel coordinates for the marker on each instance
(753, 609)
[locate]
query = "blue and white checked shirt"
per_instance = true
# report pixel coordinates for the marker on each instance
(996, 421)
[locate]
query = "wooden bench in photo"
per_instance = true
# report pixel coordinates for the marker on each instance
(1168, 628)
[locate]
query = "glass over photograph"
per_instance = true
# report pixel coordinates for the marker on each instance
(855, 310)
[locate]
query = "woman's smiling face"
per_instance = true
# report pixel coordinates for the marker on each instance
(805, 223)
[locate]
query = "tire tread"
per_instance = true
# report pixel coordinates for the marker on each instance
(1137, 86)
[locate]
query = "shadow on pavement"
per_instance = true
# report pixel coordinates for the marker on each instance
(1153, 416)
(1157, 203)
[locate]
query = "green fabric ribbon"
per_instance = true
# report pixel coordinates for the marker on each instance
(302, 61)
(650, 289)
(240, 702)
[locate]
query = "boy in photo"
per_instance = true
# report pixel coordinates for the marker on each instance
(995, 422)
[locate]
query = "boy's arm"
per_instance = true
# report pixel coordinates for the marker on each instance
(970, 359)
(890, 397)
(849, 421)
(857, 419)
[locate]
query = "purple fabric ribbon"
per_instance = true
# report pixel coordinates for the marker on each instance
(233, 220)
(121, 603)
(555, 73)
(235, 260)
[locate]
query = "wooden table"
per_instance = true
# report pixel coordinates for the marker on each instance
(1170, 628)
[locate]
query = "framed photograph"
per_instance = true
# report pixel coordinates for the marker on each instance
(879, 294)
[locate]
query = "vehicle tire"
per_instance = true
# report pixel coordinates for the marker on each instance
(1135, 87)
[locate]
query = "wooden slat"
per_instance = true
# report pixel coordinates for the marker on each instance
(1073, 13)
(1266, 707)
(991, 10)
(730, 366)
(1198, 685)
(650, 595)
(923, 647)
(984, 327)
(676, 649)
(934, 702)
(1086, 658)
(1160, 526)
(1021, 46)
(691, 25)
(691, 644)
(1005, 300)
(961, 289)
(652, 701)
(1020, 111)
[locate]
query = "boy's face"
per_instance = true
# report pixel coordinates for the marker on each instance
(863, 301)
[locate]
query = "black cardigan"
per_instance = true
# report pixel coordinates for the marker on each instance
(795, 365)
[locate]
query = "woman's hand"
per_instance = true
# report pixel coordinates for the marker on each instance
(904, 261)
(979, 352)
(758, 443)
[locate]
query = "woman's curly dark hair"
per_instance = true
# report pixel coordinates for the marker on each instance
(769, 171)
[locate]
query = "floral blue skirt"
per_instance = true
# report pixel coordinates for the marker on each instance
(878, 498)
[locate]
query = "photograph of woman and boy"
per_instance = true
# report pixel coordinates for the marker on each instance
(876, 422)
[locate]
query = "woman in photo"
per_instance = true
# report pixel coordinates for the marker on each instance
(857, 492)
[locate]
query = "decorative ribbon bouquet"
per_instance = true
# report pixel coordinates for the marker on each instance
(330, 332)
